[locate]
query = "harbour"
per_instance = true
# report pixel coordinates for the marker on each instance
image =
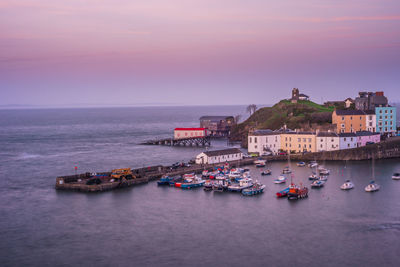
(130, 221)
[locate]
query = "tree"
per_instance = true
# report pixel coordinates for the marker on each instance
(237, 118)
(251, 108)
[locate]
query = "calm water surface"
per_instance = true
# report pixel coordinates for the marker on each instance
(161, 226)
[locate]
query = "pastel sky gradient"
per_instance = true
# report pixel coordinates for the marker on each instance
(67, 52)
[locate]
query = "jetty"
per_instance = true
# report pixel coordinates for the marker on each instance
(196, 141)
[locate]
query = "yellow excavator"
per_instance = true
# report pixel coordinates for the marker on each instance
(122, 173)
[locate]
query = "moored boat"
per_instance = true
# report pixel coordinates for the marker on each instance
(165, 180)
(266, 172)
(280, 180)
(208, 185)
(317, 184)
(242, 184)
(312, 164)
(297, 192)
(256, 189)
(372, 187)
(323, 171)
(190, 183)
(283, 193)
(313, 177)
(260, 163)
(286, 170)
(301, 164)
(347, 185)
(396, 176)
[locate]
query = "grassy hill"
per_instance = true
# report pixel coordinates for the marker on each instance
(299, 115)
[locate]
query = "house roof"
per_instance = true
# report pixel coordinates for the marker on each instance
(327, 134)
(349, 112)
(190, 129)
(350, 99)
(265, 132)
(347, 135)
(300, 133)
(215, 118)
(365, 133)
(370, 112)
(303, 95)
(222, 152)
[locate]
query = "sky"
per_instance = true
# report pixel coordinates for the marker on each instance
(187, 52)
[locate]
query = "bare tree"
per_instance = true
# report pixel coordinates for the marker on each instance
(237, 118)
(251, 108)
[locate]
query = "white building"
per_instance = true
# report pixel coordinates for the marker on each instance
(327, 141)
(371, 121)
(347, 140)
(262, 141)
(182, 133)
(219, 156)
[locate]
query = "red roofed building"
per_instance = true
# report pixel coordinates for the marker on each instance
(182, 133)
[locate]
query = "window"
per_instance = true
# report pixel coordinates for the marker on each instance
(351, 117)
(322, 140)
(266, 139)
(309, 145)
(351, 139)
(385, 111)
(391, 122)
(309, 140)
(299, 140)
(344, 139)
(249, 139)
(304, 139)
(385, 117)
(360, 118)
(255, 139)
(380, 111)
(391, 111)
(300, 146)
(370, 124)
(305, 146)
(285, 138)
(348, 145)
(332, 140)
(342, 125)
(391, 116)
(386, 123)
(290, 139)
(255, 146)
(321, 145)
(342, 118)
(370, 118)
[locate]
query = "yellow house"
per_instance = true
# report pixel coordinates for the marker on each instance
(349, 121)
(298, 142)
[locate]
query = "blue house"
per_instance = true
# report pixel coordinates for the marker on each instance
(386, 119)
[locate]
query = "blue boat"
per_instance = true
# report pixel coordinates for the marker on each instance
(256, 189)
(317, 184)
(165, 180)
(190, 183)
(283, 193)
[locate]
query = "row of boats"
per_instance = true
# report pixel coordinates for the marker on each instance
(220, 180)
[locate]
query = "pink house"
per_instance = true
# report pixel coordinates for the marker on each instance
(367, 137)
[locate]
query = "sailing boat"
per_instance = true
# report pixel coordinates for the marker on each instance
(372, 186)
(347, 184)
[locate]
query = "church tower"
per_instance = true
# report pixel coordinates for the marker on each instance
(295, 95)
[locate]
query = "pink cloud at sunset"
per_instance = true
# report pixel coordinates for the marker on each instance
(159, 45)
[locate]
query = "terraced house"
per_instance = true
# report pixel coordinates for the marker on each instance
(298, 142)
(264, 141)
(386, 119)
(349, 121)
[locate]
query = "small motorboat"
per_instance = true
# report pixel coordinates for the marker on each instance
(243, 184)
(220, 185)
(347, 185)
(297, 192)
(190, 183)
(372, 187)
(280, 180)
(205, 174)
(323, 171)
(323, 178)
(208, 185)
(283, 193)
(313, 177)
(256, 189)
(286, 170)
(317, 184)
(266, 172)
(312, 164)
(260, 163)
(165, 180)
(301, 164)
(396, 176)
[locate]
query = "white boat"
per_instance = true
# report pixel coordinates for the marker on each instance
(312, 164)
(243, 184)
(347, 185)
(280, 180)
(317, 184)
(372, 187)
(301, 164)
(323, 171)
(396, 176)
(313, 177)
(286, 170)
